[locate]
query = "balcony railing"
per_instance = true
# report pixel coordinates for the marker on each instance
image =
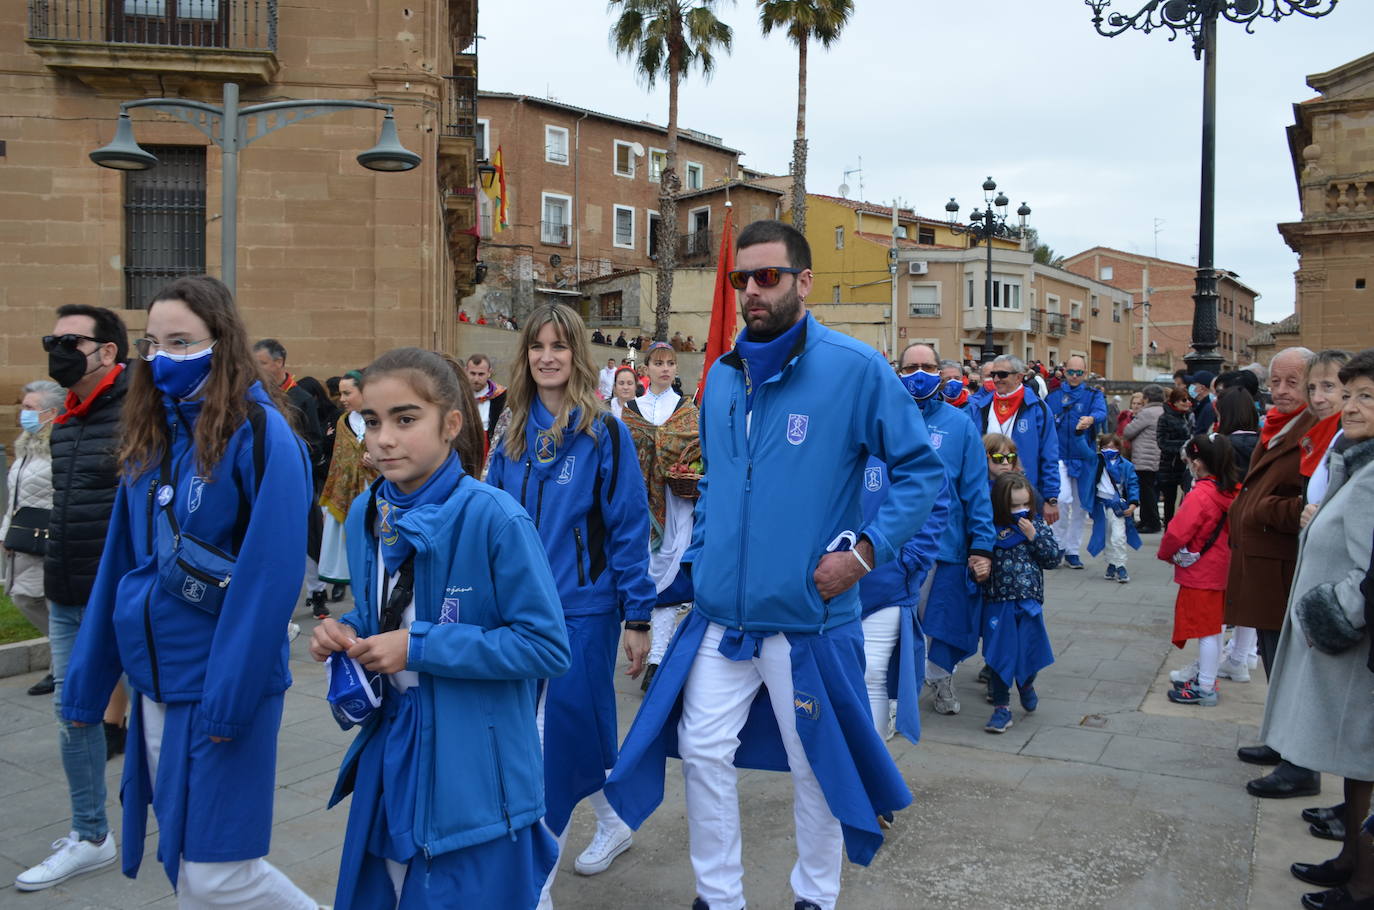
(555, 233)
(695, 245)
(1076, 325)
(249, 25)
(925, 309)
(1037, 321)
(1054, 324)
(460, 108)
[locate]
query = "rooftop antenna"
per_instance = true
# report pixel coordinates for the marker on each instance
(844, 185)
(1158, 222)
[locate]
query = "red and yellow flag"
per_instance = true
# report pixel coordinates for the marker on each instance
(497, 193)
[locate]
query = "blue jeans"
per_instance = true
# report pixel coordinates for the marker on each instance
(1001, 690)
(83, 748)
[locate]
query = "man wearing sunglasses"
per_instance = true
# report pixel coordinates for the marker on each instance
(1013, 409)
(1080, 413)
(86, 354)
(778, 546)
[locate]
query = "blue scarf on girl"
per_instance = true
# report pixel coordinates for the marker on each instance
(1009, 536)
(392, 504)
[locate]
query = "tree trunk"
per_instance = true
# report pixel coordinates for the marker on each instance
(667, 205)
(799, 145)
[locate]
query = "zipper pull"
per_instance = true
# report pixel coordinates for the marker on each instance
(749, 477)
(225, 582)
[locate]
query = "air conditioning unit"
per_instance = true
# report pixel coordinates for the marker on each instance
(917, 268)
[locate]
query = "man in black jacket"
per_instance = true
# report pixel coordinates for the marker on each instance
(271, 357)
(86, 354)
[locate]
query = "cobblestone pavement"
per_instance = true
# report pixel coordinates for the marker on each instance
(1108, 796)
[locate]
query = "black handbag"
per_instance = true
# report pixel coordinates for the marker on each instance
(28, 531)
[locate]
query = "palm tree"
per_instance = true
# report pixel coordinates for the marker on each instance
(804, 20)
(666, 39)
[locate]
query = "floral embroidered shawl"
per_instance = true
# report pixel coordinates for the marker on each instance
(348, 476)
(660, 448)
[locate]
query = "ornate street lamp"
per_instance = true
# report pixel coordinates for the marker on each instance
(231, 128)
(983, 226)
(1198, 18)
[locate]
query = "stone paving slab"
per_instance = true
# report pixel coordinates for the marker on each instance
(1108, 795)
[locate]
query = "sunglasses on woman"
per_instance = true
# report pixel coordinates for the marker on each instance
(1003, 457)
(70, 341)
(764, 278)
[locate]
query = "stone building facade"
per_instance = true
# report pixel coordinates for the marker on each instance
(338, 262)
(1332, 145)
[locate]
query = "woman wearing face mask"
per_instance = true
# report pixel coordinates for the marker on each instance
(197, 582)
(24, 528)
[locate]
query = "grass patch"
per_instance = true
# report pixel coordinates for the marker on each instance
(13, 625)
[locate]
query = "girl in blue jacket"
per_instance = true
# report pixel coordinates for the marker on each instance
(196, 585)
(574, 469)
(457, 612)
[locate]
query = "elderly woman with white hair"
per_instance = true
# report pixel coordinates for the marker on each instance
(24, 527)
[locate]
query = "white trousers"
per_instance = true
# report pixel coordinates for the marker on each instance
(1073, 516)
(246, 884)
(715, 705)
(1116, 538)
(881, 630)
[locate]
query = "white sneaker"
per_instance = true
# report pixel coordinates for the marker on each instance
(945, 701)
(604, 848)
(1234, 670)
(1183, 674)
(72, 856)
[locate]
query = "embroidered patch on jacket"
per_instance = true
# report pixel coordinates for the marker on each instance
(197, 490)
(565, 473)
(796, 428)
(448, 610)
(807, 706)
(193, 590)
(873, 479)
(937, 438)
(386, 525)
(1023, 425)
(545, 448)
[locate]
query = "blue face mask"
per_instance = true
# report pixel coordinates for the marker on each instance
(180, 375)
(953, 389)
(30, 420)
(1111, 454)
(921, 384)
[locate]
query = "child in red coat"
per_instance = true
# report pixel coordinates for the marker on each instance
(1196, 543)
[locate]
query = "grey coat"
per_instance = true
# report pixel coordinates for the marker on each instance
(1320, 711)
(1141, 433)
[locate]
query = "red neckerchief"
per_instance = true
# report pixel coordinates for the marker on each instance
(960, 401)
(1316, 441)
(289, 384)
(1006, 407)
(1274, 421)
(77, 408)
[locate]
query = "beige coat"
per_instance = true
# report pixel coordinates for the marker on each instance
(1320, 710)
(30, 484)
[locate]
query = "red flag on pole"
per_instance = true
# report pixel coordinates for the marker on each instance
(721, 336)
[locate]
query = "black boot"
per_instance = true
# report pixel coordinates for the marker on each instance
(317, 604)
(43, 687)
(337, 593)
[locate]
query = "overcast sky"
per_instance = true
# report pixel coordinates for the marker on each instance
(1100, 136)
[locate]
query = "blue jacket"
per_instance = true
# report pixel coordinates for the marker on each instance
(587, 499)
(171, 650)
(478, 764)
(960, 447)
(774, 496)
(898, 583)
(1037, 446)
(1077, 449)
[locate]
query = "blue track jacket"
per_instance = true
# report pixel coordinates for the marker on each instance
(775, 495)
(898, 583)
(1036, 443)
(587, 499)
(478, 766)
(173, 651)
(1078, 450)
(960, 447)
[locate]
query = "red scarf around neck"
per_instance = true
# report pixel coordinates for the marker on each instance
(79, 407)
(960, 401)
(1316, 441)
(1005, 407)
(1274, 420)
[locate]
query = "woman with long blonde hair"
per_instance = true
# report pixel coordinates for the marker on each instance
(574, 469)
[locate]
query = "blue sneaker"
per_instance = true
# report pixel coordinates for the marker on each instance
(1000, 722)
(1111, 573)
(1190, 693)
(1122, 577)
(1072, 561)
(1029, 700)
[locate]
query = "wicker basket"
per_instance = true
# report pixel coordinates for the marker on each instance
(684, 485)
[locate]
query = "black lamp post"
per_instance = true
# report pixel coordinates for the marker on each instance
(1198, 18)
(985, 224)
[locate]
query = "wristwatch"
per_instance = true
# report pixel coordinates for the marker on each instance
(1052, 501)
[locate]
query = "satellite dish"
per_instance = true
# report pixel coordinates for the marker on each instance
(555, 260)
(844, 191)
(638, 150)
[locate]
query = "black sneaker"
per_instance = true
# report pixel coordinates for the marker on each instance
(649, 672)
(43, 687)
(806, 905)
(317, 604)
(700, 904)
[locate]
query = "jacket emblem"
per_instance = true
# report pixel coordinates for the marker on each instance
(873, 479)
(197, 489)
(544, 448)
(192, 590)
(165, 494)
(796, 428)
(448, 610)
(565, 473)
(807, 706)
(937, 438)
(386, 524)
(1023, 425)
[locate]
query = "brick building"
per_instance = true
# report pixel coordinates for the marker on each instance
(1170, 310)
(337, 261)
(582, 200)
(1332, 145)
